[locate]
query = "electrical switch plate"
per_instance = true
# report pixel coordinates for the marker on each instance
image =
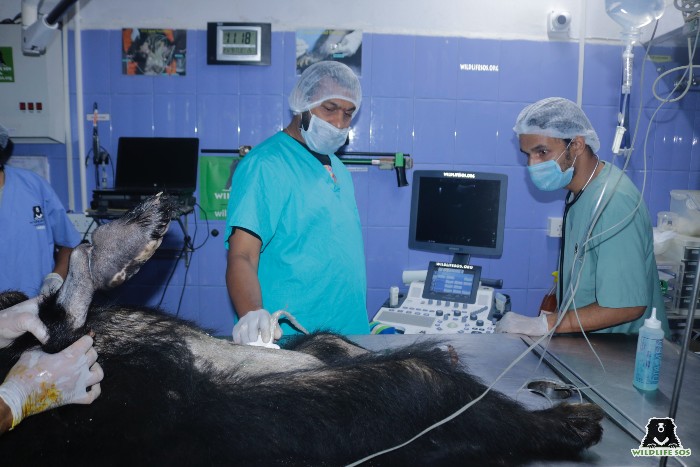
(554, 226)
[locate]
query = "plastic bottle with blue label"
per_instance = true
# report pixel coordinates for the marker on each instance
(648, 359)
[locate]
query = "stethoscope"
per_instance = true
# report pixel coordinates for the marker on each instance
(568, 202)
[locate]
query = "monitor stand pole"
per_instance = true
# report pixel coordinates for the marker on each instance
(461, 258)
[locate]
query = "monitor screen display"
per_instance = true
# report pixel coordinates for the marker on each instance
(157, 163)
(459, 213)
(452, 282)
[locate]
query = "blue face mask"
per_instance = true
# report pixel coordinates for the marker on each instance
(548, 176)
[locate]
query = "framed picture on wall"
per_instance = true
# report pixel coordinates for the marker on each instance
(341, 45)
(154, 51)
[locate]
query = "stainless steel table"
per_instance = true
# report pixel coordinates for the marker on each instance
(488, 355)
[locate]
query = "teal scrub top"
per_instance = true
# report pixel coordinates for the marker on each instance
(618, 269)
(312, 261)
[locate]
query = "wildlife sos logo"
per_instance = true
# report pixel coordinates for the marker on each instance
(37, 213)
(38, 220)
(661, 440)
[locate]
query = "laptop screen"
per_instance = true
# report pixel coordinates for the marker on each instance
(152, 164)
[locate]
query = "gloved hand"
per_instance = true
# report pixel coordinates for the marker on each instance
(253, 323)
(20, 318)
(52, 282)
(515, 323)
(41, 381)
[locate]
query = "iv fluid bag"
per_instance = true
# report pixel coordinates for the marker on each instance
(634, 14)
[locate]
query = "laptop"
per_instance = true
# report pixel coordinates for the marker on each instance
(150, 165)
(146, 166)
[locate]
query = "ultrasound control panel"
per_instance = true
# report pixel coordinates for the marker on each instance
(420, 315)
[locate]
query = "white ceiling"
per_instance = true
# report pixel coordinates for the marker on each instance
(500, 19)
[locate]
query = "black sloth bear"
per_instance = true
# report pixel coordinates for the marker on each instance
(173, 395)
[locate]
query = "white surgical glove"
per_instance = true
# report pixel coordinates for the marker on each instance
(20, 318)
(41, 381)
(52, 282)
(253, 323)
(515, 323)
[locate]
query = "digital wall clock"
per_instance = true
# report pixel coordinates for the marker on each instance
(238, 43)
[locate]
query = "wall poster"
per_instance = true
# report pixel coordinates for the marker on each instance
(341, 45)
(215, 174)
(154, 51)
(7, 67)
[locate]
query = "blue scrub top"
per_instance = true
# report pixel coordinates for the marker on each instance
(32, 222)
(312, 256)
(619, 268)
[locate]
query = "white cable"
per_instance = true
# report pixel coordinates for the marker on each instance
(462, 409)
(569, 297)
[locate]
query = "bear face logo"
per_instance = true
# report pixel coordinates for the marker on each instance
(661, 433)
(37, 212)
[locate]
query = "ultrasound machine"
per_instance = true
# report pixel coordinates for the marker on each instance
(462, 214)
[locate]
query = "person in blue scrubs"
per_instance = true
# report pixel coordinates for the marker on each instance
(32, 222)
(609, 279)
(36, 235)
(293, 231)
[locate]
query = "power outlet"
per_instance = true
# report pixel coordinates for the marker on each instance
(554, 226)
(83, 224)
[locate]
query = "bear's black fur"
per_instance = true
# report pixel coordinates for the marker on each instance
(159, 408)
(173, 395)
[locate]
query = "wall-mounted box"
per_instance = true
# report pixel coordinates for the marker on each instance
(32, 104)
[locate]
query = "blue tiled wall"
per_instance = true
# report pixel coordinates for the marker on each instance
(417, 101)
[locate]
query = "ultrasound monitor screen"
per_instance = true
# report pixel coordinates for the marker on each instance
(452, 282)
(458, 212)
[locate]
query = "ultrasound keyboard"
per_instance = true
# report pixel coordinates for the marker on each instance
(418, 315)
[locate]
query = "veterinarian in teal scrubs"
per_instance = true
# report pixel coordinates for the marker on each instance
(293, 231)
(613, 272)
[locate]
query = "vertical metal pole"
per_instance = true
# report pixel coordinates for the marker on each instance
(684, 353)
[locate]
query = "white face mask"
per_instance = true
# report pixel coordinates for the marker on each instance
(323, 137)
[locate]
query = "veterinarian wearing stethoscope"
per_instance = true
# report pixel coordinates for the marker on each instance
(293, 230)
(615, 279)
(40, 381)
